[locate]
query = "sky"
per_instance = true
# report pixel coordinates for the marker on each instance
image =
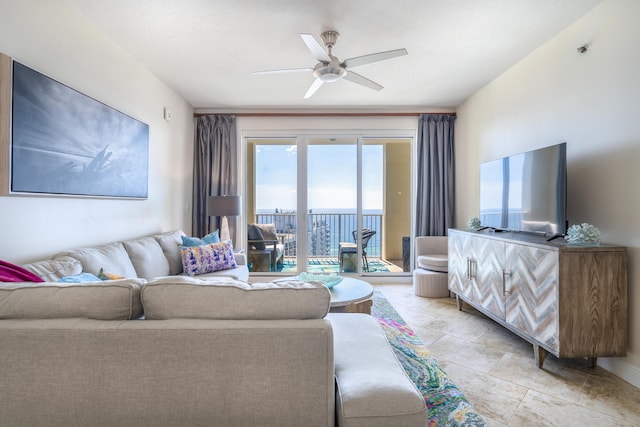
(331, 177)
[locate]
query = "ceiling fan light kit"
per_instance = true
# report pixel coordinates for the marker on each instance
(329, 73)
(329, 69)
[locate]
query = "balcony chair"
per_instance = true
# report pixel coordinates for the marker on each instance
(265, 251)
(346, 249)
(430, 278)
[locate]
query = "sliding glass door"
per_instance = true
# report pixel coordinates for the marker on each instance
(334, 204)
(272, 205)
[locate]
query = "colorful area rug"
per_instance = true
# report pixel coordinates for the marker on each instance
(446, 404)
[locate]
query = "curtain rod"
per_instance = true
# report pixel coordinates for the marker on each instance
(323, 114)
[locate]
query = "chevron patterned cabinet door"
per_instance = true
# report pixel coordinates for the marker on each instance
(487, 266)
(531, 277)
(459, 260)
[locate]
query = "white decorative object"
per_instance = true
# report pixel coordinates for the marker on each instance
(583, 234)
(474, 223)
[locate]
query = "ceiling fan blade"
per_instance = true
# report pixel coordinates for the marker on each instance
(361, 80)
(313, 88)
(374, 57)
(284, 70)
(315, 47)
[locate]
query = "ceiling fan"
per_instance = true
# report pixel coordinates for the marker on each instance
(330, 69)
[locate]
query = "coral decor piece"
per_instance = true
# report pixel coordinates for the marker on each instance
(474, 223)
(583, 234)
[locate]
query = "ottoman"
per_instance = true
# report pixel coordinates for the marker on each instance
(430, 284)
(372, 388)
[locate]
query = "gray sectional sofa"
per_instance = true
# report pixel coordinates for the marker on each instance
(157, 349)
(146, 257)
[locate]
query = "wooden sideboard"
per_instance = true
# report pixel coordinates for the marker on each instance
(570, 301)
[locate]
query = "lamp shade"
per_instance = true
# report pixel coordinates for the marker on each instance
(223, 206)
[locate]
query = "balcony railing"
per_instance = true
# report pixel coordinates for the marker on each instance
(324, 231)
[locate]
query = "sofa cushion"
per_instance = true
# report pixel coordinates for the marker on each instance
(52, 270)
(436, 262)
(116, 300)
(239, 273)
(170, 242)
(223, 298)
(147, 257)
(112, 257)
(268, 231)
(207, 258)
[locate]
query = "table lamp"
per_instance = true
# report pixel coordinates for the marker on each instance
(223, 206)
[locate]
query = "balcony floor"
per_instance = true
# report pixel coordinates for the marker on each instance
(331, 265)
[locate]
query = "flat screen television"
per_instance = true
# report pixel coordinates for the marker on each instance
(526, 192)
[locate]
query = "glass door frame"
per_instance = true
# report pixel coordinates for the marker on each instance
(357, 141)
(302, 137)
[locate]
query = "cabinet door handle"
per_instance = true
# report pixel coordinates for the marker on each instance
(505, 274)
(468, 268)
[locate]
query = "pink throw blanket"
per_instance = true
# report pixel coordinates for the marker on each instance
(14, 273)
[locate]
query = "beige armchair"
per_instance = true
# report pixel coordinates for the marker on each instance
(430, 278)
(432, 253)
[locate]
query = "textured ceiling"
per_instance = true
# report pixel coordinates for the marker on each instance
(206, 49)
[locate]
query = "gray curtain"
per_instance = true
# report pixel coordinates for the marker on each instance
(214, 169)
(435, 187)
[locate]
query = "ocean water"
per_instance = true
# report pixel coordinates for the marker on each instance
(328, 227)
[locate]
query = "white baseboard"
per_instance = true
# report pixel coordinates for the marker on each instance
(621, 368)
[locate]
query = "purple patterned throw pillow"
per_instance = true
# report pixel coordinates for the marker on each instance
(207, 258)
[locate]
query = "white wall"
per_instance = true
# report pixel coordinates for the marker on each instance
(52, 39)
(591, 101)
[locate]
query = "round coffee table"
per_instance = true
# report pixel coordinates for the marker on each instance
(351, 296)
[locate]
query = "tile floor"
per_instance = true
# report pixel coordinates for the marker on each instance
(496, 371)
